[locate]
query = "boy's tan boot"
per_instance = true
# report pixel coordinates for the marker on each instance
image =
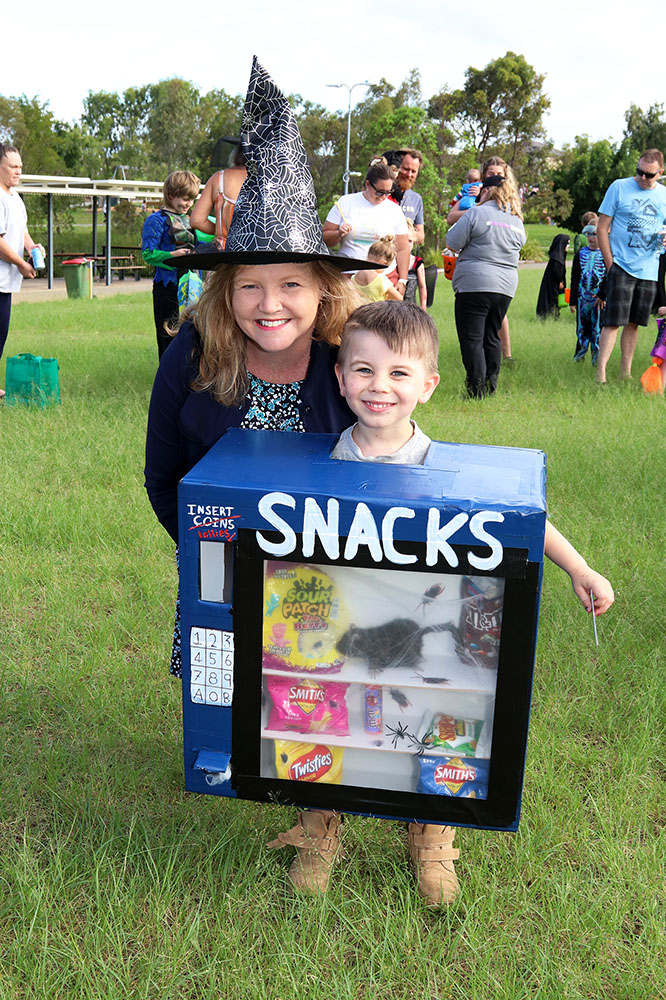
(432, 854)
(317, 842)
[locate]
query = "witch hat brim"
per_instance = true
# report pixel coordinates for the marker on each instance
(209, 260)
(275, 218)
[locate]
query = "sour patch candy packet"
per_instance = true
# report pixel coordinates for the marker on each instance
(303, 619)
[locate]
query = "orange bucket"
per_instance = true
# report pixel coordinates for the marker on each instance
(449, 264)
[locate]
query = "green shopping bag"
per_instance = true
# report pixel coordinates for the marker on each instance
(31, 379)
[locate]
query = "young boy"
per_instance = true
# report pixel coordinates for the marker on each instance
(168, 234)
(387, 363)
(587, 297)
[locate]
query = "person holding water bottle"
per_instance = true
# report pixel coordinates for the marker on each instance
(15, 240)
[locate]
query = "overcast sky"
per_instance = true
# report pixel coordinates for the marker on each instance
(597, 58)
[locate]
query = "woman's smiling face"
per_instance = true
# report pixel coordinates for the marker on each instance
(378, 192)
(275, 305)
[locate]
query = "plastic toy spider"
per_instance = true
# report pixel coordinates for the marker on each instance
(399, 733)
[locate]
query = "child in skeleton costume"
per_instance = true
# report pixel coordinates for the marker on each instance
(588, 280)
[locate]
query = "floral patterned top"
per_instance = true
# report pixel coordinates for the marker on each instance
(273, 407)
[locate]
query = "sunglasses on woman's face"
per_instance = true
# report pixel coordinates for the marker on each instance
(379, 192)
(645, 174)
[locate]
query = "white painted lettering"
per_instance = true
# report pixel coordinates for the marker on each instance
(390, 551)
(476, 526)
(265, 507)
(328, 528)
(363, 531)
(436, 537)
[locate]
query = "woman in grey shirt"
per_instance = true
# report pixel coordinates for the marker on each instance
(488, 239)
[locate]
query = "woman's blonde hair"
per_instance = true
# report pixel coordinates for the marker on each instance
(497, 161)
(383, 250)
(507, 197)
(222, 370)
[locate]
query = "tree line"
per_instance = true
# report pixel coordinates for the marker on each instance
(499, 110)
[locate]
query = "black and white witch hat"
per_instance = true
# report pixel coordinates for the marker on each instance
(275, 219)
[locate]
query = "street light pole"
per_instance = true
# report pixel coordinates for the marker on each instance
(364, 83)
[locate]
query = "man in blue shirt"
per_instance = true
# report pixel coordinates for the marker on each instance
(631, 219)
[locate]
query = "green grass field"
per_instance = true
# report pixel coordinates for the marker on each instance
(114, 883)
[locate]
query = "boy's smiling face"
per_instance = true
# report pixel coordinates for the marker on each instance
(180, 204)
(382, 387)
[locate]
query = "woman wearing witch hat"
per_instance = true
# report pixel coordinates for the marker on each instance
(258, 351)
(258, 348)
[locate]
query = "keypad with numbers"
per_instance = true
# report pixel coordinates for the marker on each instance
(211, 666)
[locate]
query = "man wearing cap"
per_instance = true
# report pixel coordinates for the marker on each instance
(410, 202)
(631, 217)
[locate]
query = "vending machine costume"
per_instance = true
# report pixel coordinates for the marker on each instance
(354, 637)
(361, 637)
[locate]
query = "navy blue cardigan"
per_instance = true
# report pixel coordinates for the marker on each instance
(183, 424)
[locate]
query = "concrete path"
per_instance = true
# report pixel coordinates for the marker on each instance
(35, 290)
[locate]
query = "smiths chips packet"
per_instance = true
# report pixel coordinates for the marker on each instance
(307, 705)
(462, 777)
(451, 735)
(308, 762)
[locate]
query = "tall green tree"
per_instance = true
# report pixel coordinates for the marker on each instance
(219, 114)
(502, 104)
(102, 121)
(174, 125)
(645, 129)
(30, 126)
(585, 172)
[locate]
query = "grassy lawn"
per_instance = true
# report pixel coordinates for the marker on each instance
(544, 235)
(115, 883)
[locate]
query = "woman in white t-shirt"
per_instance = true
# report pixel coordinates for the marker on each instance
(356, 221)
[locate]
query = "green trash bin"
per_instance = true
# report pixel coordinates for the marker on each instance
(78, 277)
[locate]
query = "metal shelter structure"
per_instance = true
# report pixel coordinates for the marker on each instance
(84, 187)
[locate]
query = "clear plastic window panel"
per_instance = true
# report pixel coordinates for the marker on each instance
(379, 678)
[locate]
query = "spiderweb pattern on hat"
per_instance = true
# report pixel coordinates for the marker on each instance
(277, 206)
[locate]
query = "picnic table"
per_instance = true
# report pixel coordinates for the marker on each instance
(119, 262)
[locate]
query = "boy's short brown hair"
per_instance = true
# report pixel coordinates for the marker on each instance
(403, 326)
(181, 184)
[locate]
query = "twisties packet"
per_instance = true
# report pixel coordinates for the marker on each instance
(462, 777)
(308, 762)
(307, 705)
